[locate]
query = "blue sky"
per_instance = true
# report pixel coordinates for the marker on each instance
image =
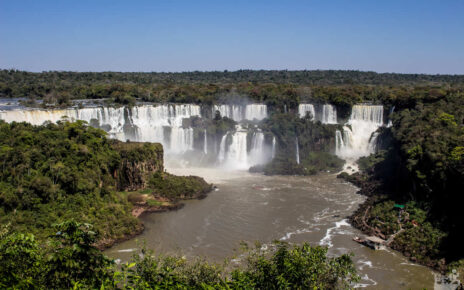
(110, 35)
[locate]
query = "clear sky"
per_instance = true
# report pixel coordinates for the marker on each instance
(111, 35)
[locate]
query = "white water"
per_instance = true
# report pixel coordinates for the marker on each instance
(205, 144)
(327, 114)
(359, 140)
(273, 152)
(237, 155)
(140, 123)
(389, 116)
(305, 108)
(257, 155)
(297, 151)
(242, 112)
(234, 156)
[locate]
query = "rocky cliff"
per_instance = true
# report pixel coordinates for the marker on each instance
(138, 162)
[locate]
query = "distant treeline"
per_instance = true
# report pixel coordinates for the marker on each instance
(275, 88)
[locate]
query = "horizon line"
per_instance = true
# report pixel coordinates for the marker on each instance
(233, 71)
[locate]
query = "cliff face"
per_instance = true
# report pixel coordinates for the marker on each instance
(138, 162)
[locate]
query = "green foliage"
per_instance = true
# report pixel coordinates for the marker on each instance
(315, 141)
(310, 164)
(275, 88)
(71, 261)
(178, 187)
(56, 172)
(384, 217)
(296, 267)
(424, 243)
(19, 260)
(72, 258)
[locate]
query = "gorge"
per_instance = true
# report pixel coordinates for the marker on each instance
(241, 146)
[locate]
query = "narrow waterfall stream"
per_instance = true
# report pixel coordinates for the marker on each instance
(297, 157)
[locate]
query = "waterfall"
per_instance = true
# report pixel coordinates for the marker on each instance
(234, 152)
(273, 147)
(389, 116)
(255, 111)
(205, 144)
(234, 112)
(164, 123)
(358, 133)
(181, 140)
(144, 123)
(329, 114)
(257, 154)
(222, 149)
(339, 144)
(239, 112)
(304, 108)
(297, 151)
(236, 156)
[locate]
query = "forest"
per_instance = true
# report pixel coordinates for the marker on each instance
(275, 88)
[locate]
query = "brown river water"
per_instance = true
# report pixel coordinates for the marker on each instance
(252, 207)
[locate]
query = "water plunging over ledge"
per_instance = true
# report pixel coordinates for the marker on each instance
(359, 137)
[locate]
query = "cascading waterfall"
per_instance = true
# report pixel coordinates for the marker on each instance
(297, 151)
(255, 112)
(305, 108)
(205, 144)
(222, 149)
(389, 116)
(164, 124)
(139, 123)
(257, 154)
(358, 138)
(329, 114)
(339, 144)
(234, 153)
(234, 112)
(242, 112)
(273, 152)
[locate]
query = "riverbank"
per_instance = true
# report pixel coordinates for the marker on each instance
(403, 226)
(155, 200)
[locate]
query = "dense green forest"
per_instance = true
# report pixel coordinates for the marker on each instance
(63, 171)
(275, 88)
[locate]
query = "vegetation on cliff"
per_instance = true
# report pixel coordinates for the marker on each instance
(63, 171)
(138, 162)
(57, 172)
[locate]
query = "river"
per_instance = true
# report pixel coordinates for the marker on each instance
(252, 207)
